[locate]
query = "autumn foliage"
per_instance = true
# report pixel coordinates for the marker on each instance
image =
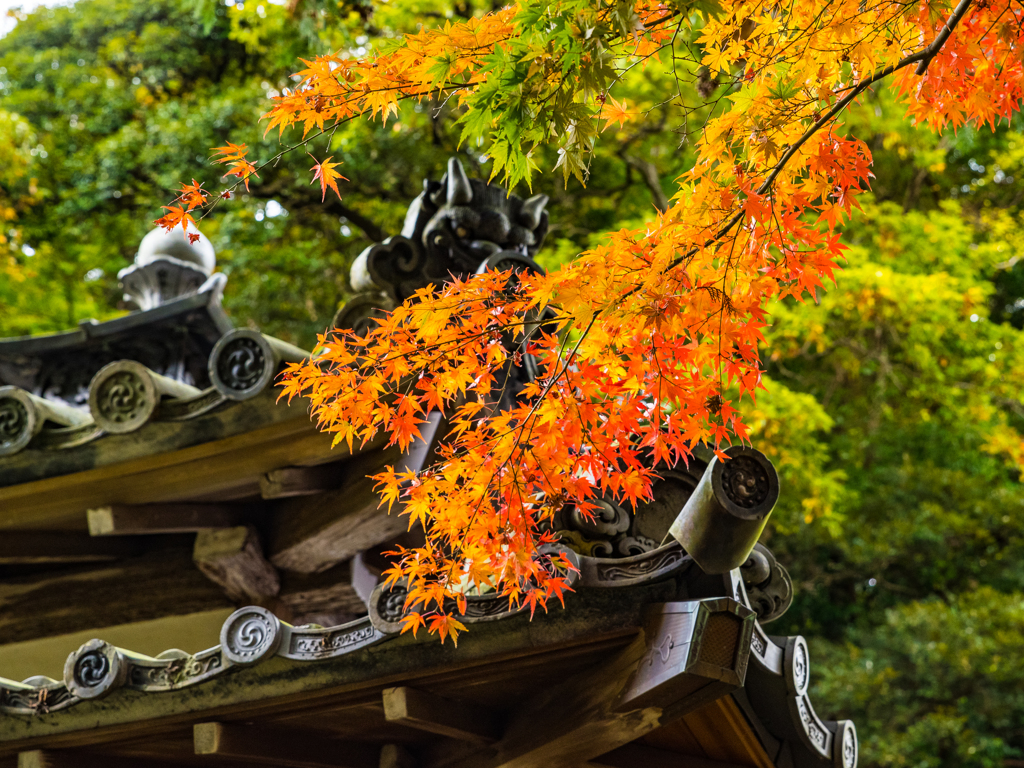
(648, 339)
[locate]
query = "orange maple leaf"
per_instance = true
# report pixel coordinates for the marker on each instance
(327, 176)
(615, 112)
(231, 152)
(243, 169)
(176, 215)
(193, 195)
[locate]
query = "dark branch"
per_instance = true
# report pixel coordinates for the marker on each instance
(650, 176)
(943, 35)
(924, 55)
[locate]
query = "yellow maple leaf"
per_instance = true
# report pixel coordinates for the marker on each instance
(327, 176)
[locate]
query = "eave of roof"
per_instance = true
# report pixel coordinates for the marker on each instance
(221, 454)
(274, 674)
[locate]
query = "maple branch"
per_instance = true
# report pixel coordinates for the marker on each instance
(923, 56)
(947, 29)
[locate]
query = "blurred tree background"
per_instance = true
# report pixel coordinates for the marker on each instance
(893, 400)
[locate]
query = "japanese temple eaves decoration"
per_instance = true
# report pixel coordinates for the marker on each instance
(671, 633)
(176, 359)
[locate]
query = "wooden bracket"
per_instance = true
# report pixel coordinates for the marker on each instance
(233, 558)
(685, 658)
(428, 712)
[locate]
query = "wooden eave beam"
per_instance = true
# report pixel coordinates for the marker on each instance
(312, 533)
(116, 473)
(635, 755)
(664, 674)
(31, 547)
(288, 749)
(445, 717)
(132, 519)
(73, 758)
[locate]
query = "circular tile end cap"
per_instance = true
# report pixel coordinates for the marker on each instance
(242, 364)
(122, 396)
(249, 635)
(19, 422)
(94, 670)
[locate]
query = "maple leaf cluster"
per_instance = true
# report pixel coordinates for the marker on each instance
(233, 155)
(655, 333)
(191, 196)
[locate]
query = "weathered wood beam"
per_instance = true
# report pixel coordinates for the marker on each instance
(329, 597)
(73, 758)
(689, 654)
(130, 519)
(267, 746)
(428, 712)
(312, 533)
(162, 583)
(164, 462)
(396, 756)
(302, 481)
(31, 547)
(636, 755)
(233, 558)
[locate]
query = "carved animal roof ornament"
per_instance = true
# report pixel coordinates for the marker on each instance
(453, 228)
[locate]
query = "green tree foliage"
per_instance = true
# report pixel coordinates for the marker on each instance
(902, 522)
(119, 101)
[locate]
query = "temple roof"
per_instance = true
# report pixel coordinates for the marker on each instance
(148, 471)
(663, 676)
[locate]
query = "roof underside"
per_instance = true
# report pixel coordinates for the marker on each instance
(514, 693)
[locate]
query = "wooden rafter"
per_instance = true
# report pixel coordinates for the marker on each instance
(312, 533)
(31, 547)
(233, 558)
(428, 712)
(288, 749)
(132, 519)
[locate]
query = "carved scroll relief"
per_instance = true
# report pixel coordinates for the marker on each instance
(244, 362)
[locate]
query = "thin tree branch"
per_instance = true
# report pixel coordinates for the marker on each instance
(944, 33)
(924, 55)
(650, 176)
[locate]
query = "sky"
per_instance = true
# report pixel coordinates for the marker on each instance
(7, 23)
